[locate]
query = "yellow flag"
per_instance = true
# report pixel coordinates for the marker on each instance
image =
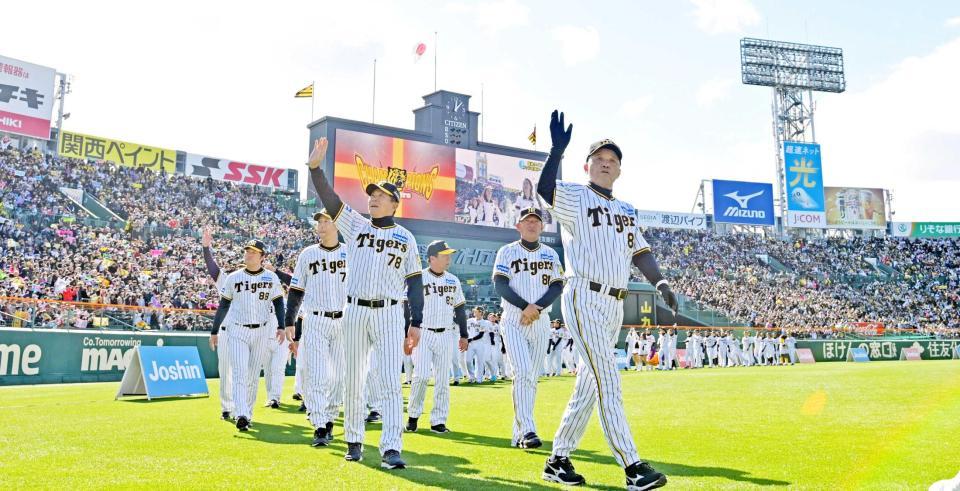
(305, 92)
(533, 136)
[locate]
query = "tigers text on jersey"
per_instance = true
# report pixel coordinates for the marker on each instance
(600, 236)
(381, 259)
(441, 295)
(530, 271)
(251, 295)
(322, 275)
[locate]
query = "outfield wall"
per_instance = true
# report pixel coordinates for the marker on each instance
(65, 356)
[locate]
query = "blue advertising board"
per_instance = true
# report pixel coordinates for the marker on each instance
(743, 202)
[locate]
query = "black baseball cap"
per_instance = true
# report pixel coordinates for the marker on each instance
(385, 186)
(605, 143)
(322, 213)
(439, 247)
(256, 245)
(530, 211)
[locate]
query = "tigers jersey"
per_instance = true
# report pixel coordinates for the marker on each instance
(251, 295)
(600, 236)
(222, 280)
(530, 272)
(321, 273)
(381, 258)
(441, 295)
(474, 327)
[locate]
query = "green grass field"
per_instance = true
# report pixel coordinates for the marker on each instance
(882, 425)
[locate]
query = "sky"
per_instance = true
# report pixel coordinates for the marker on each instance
(660, 78)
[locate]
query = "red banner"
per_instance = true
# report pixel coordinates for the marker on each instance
(425, 173)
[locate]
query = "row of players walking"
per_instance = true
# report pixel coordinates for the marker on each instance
(709, 349)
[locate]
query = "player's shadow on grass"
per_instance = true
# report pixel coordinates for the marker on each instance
(446, 471)
(670, 469)
(293, 434)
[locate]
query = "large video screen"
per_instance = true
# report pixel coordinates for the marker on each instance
(437, 182)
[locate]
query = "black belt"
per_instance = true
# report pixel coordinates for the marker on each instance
(333, 315)
(252, 326)
(618, 293)
(373, 304)
(442, 329)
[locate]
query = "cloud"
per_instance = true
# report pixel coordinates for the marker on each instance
(494, 16)
(636, 106)
(953, 22)
(900, 133)
(713, 91)
(724, 16)
(577, 44)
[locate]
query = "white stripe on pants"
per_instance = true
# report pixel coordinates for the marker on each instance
(433, 351)
(275, 368)
(248, 349)
(526, 346)
(321, 345)
(223, 368)
(380, 332)
(595, 320)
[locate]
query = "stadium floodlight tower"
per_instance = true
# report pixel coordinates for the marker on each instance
(794, 71)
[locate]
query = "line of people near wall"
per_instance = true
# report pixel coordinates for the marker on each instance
(710, 348)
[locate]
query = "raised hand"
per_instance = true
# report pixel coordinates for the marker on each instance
(559, 137)
(319, 153)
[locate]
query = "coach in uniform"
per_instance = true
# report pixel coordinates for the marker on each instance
(601, 240)
(250, 293)
(528, 277)
(319, 282)
(443, 302)
(385, 267)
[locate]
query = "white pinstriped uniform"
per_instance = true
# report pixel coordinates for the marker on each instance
(554, 360)
(251, 298)
(600, 238)
(530, 273)
(490, 365)
(381, 261)
(223, 357)
(321, 273)
(476, 350)
(441, 295)
(275, 364)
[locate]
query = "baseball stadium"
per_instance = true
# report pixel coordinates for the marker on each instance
(396, 304)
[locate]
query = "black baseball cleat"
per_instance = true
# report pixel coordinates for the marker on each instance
(456, 382)
(329, 428)
(640, 477)
(243, 424)
(225, 415)
(530, 440)
(320, 438)
(373, 417)
(303, 407)
(440, 428)
(273, 404)
(560, 470)
(411, 425)
(391, 460)
(354, 452)
(297, 397)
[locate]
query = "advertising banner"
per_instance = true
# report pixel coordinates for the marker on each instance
(860, 208)
(803, 178)
(26, 98)
(80, 146)
(743, 202)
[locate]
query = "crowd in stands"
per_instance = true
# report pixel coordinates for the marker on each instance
(823, 283)
(150, 257)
